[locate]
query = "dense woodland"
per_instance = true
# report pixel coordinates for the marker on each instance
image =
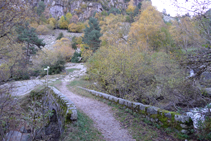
(131, 53)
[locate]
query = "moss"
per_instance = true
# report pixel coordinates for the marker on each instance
(163, 119)
(68, 116)
(142, 112)
(155, 116)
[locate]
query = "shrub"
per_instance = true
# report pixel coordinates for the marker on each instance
(64, 25)
(127, 18)
(114, 11)
(72, 27)
(60, 36)
(42, 30)
(52, 22)
(79, 27)
(76, 41)
(130, 73)
(64, 47)
(75, 58)
(34, 24)
(86, 54)
(104, 13)
(50, 58)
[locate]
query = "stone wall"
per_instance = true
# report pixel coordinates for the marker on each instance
(165, 118)
(65, 109)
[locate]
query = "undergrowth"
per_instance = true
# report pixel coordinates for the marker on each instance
(82, 130)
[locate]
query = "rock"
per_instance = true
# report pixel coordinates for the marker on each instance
(206, 76)
(13, 136)
(121, 101)
(184, 126)
(185, 131)
(56, 11)
(23, 130)
(152, 110)
(143, 107)
(182, 118)
(26, 137)
(53, 3)
(208, 91)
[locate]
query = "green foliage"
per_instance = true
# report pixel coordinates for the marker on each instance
(28, 35)
(57, 67)
(60, 36)
(68, 17)
(92, 34)
(104, 13)
(129, 73)
(114, 11)
(126, 1)
(75, 58)
(74, 43)
(37, 112)
(63, 23)
(40, 8)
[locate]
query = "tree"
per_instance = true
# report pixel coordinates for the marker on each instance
(131, 7)
(63, 23)
(146, 30)
(92, 34)
(29, 36)
(41, 8)
(185, 33)
(68, 17)
(200, 9)
(12, 13)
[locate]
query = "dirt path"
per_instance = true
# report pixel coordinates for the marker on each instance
(100, 113)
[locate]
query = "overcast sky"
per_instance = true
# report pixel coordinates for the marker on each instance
(171, 9)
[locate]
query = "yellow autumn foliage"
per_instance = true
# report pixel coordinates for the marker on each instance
(42, 30)
(131, 7)
(85, 53)
(64, 47)
(52, 22)
(145, 31)
(79, 27)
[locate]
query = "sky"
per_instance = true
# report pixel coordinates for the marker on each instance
(173, 10)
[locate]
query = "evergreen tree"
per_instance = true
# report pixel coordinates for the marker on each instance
(41, 8)
(29, 36)
(92, 34)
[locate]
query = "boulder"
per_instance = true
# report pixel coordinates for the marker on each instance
(205, 78)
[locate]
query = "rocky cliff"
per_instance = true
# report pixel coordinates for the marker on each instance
(83, 8)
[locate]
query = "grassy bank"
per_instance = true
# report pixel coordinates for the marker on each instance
(81, 130)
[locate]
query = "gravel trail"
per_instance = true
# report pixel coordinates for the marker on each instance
(100, 113)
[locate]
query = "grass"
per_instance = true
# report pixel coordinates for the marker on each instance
(189, 50)
(81, 130)
(71, 70)
(56, 83)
